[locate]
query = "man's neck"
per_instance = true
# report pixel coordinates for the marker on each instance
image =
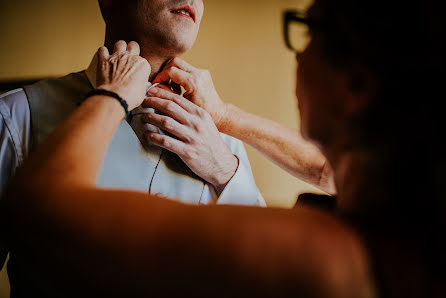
(156, 57)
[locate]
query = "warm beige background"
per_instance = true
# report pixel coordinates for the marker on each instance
(240, 43)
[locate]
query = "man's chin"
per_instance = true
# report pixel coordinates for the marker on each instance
(178, 47)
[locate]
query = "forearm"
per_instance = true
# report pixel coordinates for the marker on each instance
(283, 145)
(140, 244)
(74, 151)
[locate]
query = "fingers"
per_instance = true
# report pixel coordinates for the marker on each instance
(169, 108)
(133, 48)
(103, 53)
(177, 75)
(170, 77)
(169, 125)
(166, 142)
(120, 47)
(168, 95)
(181, 64)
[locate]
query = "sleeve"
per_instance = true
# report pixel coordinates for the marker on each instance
(15, 127)
(242, 189)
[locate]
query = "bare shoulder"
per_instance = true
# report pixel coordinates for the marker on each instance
(308, 252)
(341, 260)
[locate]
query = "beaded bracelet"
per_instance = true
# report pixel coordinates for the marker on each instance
(111, 94)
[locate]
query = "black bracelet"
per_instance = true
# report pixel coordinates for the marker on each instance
(111, 94)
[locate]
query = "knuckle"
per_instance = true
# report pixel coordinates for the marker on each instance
(189, 139)
(177, 99)
(170, 106)
(165, 142)
(201, 113)
(166, 123)
(196, 125)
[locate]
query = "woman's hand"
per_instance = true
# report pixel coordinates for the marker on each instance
(198, 85)
(124, 72)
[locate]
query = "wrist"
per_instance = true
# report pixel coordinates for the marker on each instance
(112, 107)
(222, 122)
(226, 174)
(107, 92)
(111, 87)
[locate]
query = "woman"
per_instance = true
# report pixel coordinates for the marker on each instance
(385, 240)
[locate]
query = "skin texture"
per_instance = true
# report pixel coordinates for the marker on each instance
(196, 135)
(131, 67)
(160, 33)
(155, 240)
(282, 145)
(163, 37)
(163, 34)
(388, 222)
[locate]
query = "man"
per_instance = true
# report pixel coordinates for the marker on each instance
(384, 241)
(210, 168)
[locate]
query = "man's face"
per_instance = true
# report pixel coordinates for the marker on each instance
(170, 24)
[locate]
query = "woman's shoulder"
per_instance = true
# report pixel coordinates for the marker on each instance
(404, 252)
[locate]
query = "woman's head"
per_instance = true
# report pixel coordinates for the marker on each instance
(371, 71)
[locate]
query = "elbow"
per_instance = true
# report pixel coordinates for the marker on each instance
(326, 179)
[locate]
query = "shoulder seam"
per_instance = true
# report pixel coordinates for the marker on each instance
(14, 137)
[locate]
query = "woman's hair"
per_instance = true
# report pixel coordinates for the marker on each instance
(402, 44)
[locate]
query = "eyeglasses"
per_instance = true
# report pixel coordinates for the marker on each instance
(296, 30)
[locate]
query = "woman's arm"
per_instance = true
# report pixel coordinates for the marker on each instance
(282, 145)
(90, 242)
(85, 135)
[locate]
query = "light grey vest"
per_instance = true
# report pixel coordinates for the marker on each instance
(127, 164)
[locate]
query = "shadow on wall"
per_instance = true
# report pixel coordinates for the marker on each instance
(4, 283)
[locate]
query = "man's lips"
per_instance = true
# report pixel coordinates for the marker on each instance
(186, 11)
